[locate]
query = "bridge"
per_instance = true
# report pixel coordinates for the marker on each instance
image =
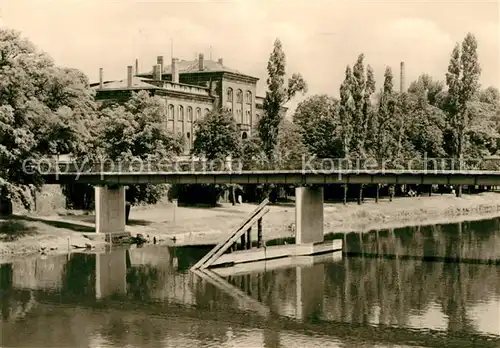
(110, 180)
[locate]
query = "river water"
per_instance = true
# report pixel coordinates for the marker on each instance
(431, 286)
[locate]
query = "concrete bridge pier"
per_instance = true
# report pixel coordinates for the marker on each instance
(111, 274)
(310, 287)
(309, 215)
(110, 209)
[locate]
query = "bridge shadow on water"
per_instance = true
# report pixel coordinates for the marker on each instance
(386, 294)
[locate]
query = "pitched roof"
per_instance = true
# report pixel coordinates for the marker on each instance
(187, 66)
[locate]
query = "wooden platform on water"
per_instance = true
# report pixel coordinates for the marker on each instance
(278, 251)
(276, 264)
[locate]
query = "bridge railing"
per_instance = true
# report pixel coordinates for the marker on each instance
(305, 164)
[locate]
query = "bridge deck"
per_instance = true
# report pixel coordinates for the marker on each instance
(443, 177)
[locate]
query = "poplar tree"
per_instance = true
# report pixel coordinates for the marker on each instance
(277, 95)
(362, 88)
(357, 92)
(367, 110)
(384, 116)
(346, 111)
(463, 82)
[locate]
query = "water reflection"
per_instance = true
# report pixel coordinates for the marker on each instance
(147, 297)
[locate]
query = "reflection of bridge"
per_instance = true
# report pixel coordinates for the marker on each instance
(110, 199)
(290, 300)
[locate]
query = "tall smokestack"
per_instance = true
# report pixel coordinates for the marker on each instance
(402, 77)
(137, 66)
(175, 71)
(159, 61)
(157, 72)
(201, 62)
(101, 82)
(129, 76)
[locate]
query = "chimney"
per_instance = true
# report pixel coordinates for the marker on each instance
(220, 61)
(402, 77)
(201, 65)
(136, 66)
(129, 76)
(101, 82)
(175, 71)
(159, 61)
(156, 72)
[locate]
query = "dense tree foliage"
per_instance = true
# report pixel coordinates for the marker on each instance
(217, 136)
(216, 139)
(44, 110)
(134, 134)
(318, 121)
(130, 136)
(427, 120)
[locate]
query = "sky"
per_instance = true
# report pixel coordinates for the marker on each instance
(320, 37)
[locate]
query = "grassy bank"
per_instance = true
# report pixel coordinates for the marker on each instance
(188, 225)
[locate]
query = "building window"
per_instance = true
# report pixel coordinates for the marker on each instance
(239, 97)
(170, 114)
(198, 114)
(180, 117)
(244, 135)
(229, 95)
(247, 117)
(248, 97)
(190, 114)
(206, 112)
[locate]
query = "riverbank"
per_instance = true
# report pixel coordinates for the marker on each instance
(21, 235)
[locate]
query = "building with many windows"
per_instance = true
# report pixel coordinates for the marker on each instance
(190, 89)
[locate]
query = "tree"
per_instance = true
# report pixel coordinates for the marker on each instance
(277, 95)
(318, 121)
(490, 95)
(135, 133)
(424, 130)
(290, 147)
(357, 100)
(346, 111)
(217, 136)
(463, 82)
(43, 111)
(362, 87)
(287, 155)
(427, 88)
(483, 131)
(384, 140)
